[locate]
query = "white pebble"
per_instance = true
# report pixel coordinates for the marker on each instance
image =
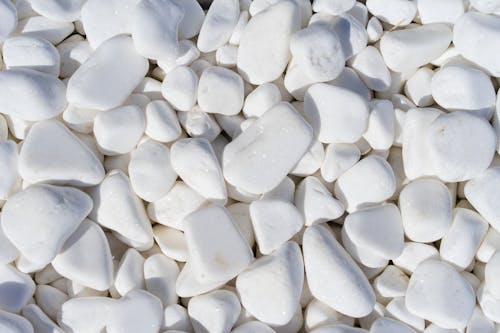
(392, 282)
(445, 11)
(476, 37)
(84, 314)
(175, 317)
(407, 49)
(50, 213)
(117, 131)
(326, 108)
(50, 299)
(380, 131)
(418, 87)
(16, 288)
(370, 66)
(253, 327)
(12, 323)
(261, 99)
(43, 27)
(220, 90)
(160, 274)
(464, 88)
(129, 273)
(8, 168)
(351, 32)
(426, 209)
(463, 239)
(438, 293)
(220, 20)
(339, 157)
(261, 156)
(171, 242)
(66, 11)
(274, 222)
(40, 321)
(118, 208)
(94, 268)
(388, 325)
(358, 187)
(8, 17)
(195, 162)
(395, 12)
(374, 29)
(31, 95)
(71, 163)
(72, 53)
(333, 7)
(214, 312)
(150, 171)
(103, 83)
(270, 288)
(161, 122)
(217, 250)
(333, 277)
(413, 254)
(43, 56)
(263, 52)
(154, 27)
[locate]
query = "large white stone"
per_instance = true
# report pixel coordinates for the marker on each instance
(16, 288)
(263, 52)
(52, 153)
(220, 90)
(333, 277)
(260, 157)
(85, 314)
(483, 192)
(214, 312)
(31, 95)
(41, 218)
(219, 23)
(104, 83)
(12, 323)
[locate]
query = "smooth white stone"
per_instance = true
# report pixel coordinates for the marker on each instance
(436, 329)
(43, 27)
(333, 277)
(333, 7)
(118, 130)
(150, 171)
(104, 20)
(274, 222)
(426, 209)
(413, 254)
(217, 249)
(491, 272)
(370, 66)
(392, 282)
(179, 202)
(311, 161)
(297, 81)
(253, 327)
(226, 56)
(379, 229)
(363, 255)
(92, 268)
(444, 11)
(8, 19)
(260, 157)
(482, 192)
(438, 293)
(374, 29)
(261, 99)
(239, 27)
(388, 325)
(41, 218)
(180, 88)
(43, 56)
(8, 252)
(479, 323)
(195, 162)
(380, 131)
(318, 51)
(171, 242)
(16, 288)
(192, 20)
(85, 314)
(66, 11)
(129, 273)
(241, 215)
(31, 95)
(138, 311)
(319, 314)
(8, 168)
(351, 32)
(154, 26)
(263, 52)
(175, 317)
(338, 328)
(72, 54)
(407, 49)
(464, 88)
(103, 83)
(397, 309)
(489, 303)
(489, 246)
(118, 208)
(460, 145)
(270, 288)
(416, 159)
(460, 244)
(220, 20)
(40, 321)
(160, 274)
(339, 157)
(476, 37)
(12, 323)
(80, 120)
(188, 285)
(337, 115)
(418, 87)
(220, 90)
(50, 299)
(316, 203)
(395, 12)
(71, 163)
(369, 181)
(214, 312)
(161, 122)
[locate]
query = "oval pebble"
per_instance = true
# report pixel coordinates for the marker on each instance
(8, 19)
